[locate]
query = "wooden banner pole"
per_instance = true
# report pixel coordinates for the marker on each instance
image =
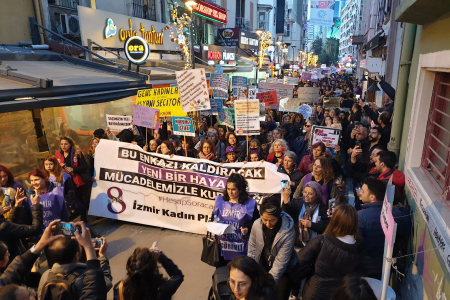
(185, 146)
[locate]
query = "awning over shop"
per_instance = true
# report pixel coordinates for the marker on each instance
(47, 79)
(358, 40)
(373, 43)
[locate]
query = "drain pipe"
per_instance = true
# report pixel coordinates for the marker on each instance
(409, 37)
(39, 20)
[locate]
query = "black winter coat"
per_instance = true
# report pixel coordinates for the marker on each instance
(12, 233)
(333, 260)
(18, 269)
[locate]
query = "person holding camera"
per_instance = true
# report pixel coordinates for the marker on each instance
(64, 255)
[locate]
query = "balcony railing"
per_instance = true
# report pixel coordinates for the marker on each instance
(244, 24)
(64, 3)
(143, 11)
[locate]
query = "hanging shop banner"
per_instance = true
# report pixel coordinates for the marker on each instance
(118, 123)
(219, 82)
(167, 100)
(146, 116)
(246, 114)
(176, 193)
(283, 91)
(239, 81)
(329, 102)
(321, 13)
(268, 98)
(308, 94)
(252, 93)
(183, 126)
(328, 136)
(226, 117)
(291, 80)
(193, 89)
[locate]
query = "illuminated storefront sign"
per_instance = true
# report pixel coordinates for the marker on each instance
(210, 12)
(216, 55)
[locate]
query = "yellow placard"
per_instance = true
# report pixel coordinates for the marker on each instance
(166, 99)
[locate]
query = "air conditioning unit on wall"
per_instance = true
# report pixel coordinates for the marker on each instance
(69, 24)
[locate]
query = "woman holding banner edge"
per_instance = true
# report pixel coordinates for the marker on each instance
(236, 208)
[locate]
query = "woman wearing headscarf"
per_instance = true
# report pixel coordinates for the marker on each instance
(308, 212)
(239, 148)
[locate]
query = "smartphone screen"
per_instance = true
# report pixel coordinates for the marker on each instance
(97, 243)
(67, 228)
(331, 206)
(284, 183)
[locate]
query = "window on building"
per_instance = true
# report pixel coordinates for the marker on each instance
(223, 3)
(262, 20)
(288, 29)
(436, 151)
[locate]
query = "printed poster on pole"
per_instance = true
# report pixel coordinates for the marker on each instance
(118, 123)
(246, 117)
(167, 100)
(328, 136)
(146, 116)
(183, 126)
(321, 13)
(387, 221)
(193, 89)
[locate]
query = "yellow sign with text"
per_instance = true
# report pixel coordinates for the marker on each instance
(166, 99)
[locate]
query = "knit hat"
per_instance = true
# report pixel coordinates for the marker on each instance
(317, 188)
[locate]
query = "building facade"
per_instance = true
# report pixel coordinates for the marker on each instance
(350, 26)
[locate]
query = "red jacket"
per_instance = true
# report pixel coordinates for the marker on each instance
(271, 158)
(398, 179)
(303, 166)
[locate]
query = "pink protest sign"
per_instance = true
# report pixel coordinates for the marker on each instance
(387, 221)
(145, 116)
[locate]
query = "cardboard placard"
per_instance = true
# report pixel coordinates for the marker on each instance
(246, 118)
(268, 98)
(118, 122)
(329, 136)
(291, 80)
(219, 82)
(387, 221)
(193, 90)
(146, 116)
(183, 126)
(226, 117)
(283, 90)
(167, 100)
(329, 102)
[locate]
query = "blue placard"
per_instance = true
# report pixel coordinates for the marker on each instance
(239, 81)
(183, 126)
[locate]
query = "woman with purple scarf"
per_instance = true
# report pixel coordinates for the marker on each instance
(236, 208)
(309, 212)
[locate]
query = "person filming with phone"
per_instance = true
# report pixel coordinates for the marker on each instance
(64, 255)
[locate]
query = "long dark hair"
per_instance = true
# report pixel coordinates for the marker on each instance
(170, 146)
(262, 282)
(241, 185)
(143, 278)
(354, 288)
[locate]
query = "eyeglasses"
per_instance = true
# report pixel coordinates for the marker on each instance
(240, 285)
(307, 126)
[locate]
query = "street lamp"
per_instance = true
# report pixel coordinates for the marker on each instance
(190, 4)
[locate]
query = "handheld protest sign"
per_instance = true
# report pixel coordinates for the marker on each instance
(146, 116)
(329, 102)
(329, 136)
(118, 123)
(183, 126)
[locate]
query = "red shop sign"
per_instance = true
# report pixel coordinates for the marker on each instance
(209, 11)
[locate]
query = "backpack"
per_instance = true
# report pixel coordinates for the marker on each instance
(60, 287)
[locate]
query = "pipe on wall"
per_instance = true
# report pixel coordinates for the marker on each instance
(37, 8)
(408, 41)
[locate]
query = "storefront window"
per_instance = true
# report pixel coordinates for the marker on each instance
(82, 119)
(19, 150)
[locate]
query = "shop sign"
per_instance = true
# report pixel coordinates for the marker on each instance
(210, 12)
(111, 30)
(136, 49)
(216, 55)
(248, 40)
(228, 37)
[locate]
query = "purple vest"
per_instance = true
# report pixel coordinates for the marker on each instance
(235, 214)
(324, 187)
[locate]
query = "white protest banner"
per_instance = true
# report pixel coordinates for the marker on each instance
(283, 90)
(328, 136)
(387, 221)
(246, 117)
(289, 104)
(291, 80)
(118, 123)
(272, 80)
(308, 94)
(176, 193)
(193, 89)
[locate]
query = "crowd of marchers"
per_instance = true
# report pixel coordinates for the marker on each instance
(306, 241)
